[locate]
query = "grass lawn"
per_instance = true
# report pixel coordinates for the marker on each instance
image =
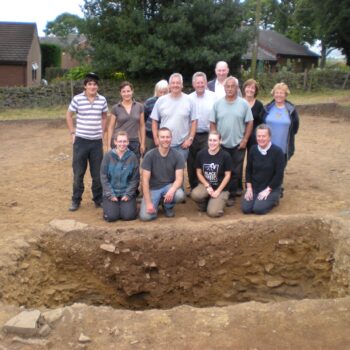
(339, 96)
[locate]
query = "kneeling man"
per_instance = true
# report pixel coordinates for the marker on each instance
(213, 166)
(162, 177)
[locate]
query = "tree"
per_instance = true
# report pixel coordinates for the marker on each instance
(159, 37)
(64, 24)
(328, 21)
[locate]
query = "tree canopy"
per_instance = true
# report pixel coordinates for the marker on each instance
(159, 37)
(64, 24)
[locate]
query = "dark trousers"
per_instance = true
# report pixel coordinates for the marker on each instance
(261, 207)
(237, 156)
(84, 152)
(113, 211)
(200, 141)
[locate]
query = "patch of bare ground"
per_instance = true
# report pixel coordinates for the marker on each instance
(237, 282)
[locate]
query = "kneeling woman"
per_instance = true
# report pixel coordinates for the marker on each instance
(120, 179)
(264, 174)
(213, 168)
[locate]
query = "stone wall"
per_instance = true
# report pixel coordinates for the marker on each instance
(60, 94)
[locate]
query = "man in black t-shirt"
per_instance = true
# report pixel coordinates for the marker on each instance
(213, 167)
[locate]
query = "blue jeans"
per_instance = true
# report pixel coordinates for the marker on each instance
(156, 197)
(182, 151)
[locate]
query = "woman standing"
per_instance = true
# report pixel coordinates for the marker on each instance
(120, 179)
(281, 116)
(128, 116)
(264, 174)
(283, 119)
(250, 92)
(161, 88)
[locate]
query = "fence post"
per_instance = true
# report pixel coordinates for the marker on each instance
(305, 80)
(345, 81)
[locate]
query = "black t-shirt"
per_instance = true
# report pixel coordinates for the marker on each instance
(214, 166)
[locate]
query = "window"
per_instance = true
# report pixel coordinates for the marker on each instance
(35, 68)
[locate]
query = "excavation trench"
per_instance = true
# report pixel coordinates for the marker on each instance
(215, 264)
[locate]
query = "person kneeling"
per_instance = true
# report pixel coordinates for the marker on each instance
(213, 168)
(120, 179)
(162, 177)
(264, 174)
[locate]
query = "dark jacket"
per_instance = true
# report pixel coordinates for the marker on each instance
(294, 124)
(211, 85)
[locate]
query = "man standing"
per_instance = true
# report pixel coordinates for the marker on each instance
(232, 118)
(162, 177)
(203, 101)
(217, 85)
(91, 112)
(174, 111)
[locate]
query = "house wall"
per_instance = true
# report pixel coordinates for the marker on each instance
(299, 64)
(11, 75)
(34, 56)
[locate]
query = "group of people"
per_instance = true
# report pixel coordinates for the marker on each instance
(210, 129)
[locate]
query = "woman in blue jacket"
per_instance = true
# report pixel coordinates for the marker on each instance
(283, 119)
(120, 179)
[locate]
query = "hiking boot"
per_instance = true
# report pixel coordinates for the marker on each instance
(169, 213)
(202, 206)
(74, 206)
(230, 202)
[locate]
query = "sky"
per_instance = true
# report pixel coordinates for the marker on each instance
(38, 11)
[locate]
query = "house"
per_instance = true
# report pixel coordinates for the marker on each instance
(72, 43)
(276, 51)
(20, 55)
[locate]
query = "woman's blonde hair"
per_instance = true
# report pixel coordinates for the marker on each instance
(161, 85)
(281, 86)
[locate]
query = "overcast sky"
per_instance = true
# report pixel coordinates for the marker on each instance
(38, 11)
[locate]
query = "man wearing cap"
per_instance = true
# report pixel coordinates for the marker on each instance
(91, 118)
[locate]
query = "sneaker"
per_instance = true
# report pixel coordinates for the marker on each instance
(239, 192)
(230, 202)
(202, 206)
(169, 213)
(98, 204)
(74, 206)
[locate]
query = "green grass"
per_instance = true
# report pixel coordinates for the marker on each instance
(55, 112)
(341, 97)
(338, 96)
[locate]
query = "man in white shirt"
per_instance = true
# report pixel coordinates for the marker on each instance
(203, 101)
(175, 112)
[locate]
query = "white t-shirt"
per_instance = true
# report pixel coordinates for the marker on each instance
(176, 114)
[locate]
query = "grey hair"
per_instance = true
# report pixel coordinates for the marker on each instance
(264, 127)
(232, 78)
(199, 74)
(176, 75)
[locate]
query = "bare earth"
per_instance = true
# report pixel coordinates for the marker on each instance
(35, 163)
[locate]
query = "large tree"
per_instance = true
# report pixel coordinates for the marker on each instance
(159, 37)
(64, 24)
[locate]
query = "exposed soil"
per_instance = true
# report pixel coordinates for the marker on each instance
(298, 251)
